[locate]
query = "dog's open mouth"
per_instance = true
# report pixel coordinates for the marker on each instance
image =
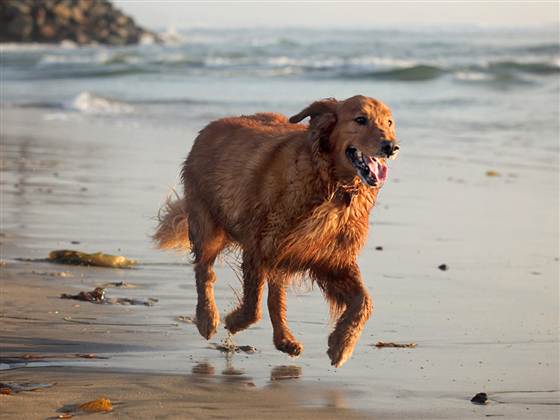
(371, 170)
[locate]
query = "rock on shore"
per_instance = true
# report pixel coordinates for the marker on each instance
(81, 21)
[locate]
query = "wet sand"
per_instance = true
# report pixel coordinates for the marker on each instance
(148, 396)
(487, 324)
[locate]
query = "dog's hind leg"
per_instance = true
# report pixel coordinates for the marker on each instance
(283, 338)
(344, 289)
(249, 311)
(207, 240)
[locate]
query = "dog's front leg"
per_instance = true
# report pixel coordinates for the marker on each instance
(344, 289)
(283, 338)
(249, 310)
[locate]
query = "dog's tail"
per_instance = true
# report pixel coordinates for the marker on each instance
(173, 228)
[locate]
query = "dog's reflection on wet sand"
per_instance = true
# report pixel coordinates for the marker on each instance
(280, 376)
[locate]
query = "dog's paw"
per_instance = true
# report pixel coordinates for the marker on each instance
(235, 322)
(339, 350)
(207, 320)
(289, 346)
(339, 356)
(240, 319)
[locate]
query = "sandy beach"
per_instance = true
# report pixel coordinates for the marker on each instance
(92, 142)
(145, 370)
(197, 390)
(487, 324)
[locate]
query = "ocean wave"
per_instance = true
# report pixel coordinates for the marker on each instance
(171, 36)
(507, 71)
(111, 60)
(23, 47)
(98, 58)
(275, 56)
(470, 76)
(90, 103)
(85, 102)
(545, 48)
(537, 67)
(278, 66)
(501, 71)
(121, 57)
(95, 73)
(55, 59)
(238, 38)
(176, 101)
(490, 78)
(417, 73)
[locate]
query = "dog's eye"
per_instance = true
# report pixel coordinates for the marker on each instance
(361, 120)
(390, 122)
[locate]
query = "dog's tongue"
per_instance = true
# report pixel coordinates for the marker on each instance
(378, 169)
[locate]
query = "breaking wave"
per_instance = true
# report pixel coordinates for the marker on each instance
(416, 73)
(85, 102)
(388, 57)
(281, 66)
(90, 103)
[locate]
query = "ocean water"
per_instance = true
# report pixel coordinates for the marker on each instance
(475, 87)
(93, 139)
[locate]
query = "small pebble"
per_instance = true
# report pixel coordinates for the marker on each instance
(480, 398)
(443, 267)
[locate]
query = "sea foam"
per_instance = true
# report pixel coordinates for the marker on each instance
(90, 103)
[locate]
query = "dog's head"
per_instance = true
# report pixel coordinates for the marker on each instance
(358, 134)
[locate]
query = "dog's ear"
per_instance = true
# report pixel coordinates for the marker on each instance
(324, 106)
(321, 122)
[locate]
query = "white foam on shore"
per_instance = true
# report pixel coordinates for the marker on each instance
(90, 103)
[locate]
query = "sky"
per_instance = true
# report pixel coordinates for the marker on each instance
(182, 14)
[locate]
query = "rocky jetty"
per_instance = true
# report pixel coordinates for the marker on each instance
(80, 21)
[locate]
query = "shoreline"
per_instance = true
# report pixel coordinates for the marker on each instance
(487, 324)
(204, 386)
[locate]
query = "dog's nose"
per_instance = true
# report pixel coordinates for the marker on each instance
(389, 148)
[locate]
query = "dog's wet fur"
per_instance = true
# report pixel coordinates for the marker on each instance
(295, 199)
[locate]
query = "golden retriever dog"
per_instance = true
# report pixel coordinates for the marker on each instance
(295, 200)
